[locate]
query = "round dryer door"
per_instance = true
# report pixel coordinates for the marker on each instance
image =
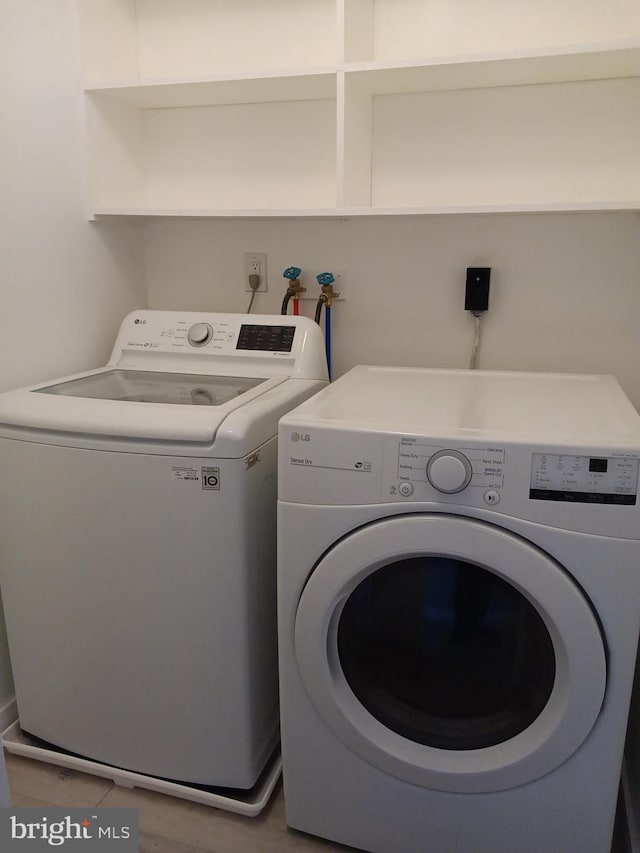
(450, 653)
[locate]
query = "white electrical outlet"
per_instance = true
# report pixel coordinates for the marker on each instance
(255, 263)
(308, 278)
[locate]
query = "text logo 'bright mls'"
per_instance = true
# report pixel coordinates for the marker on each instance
(55, 833)
(108, 829)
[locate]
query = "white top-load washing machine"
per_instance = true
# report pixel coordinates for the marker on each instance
(137, 544)
(459, 604)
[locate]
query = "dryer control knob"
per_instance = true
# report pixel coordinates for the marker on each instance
(199, 334)
(449, 471)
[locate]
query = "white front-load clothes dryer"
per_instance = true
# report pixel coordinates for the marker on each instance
(459, 605)
(137, 544)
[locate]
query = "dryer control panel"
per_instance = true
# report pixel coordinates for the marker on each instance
(584, 479)
(591, 490)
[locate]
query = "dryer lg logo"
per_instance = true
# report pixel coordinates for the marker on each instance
(211, 478)
(297, 436)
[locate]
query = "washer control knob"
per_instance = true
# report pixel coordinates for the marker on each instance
(449, 471)
(199, 334)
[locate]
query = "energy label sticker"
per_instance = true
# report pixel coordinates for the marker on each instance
(211, 478)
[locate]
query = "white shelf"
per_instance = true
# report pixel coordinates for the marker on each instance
(360, 107)
(355, 212)
(245, 89)
(217, 213)
(572, 64)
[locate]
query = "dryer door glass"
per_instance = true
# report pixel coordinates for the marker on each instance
(446, 653)
(450, 652)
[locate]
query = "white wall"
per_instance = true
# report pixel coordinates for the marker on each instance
(65, 283)
(565, 291)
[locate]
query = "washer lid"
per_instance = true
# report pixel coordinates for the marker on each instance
(146, 386)
(182, 376)
(139, 404)
(481, 669)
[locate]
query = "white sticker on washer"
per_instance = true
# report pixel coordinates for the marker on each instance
(184, 472)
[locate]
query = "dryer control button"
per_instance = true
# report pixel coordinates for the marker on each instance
(491, 497)
(406, 489)
(199, 334)
(449, 471)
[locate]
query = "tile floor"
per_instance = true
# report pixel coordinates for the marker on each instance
(167, 824)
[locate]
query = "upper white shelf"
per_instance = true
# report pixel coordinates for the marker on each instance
(573, 63)
(578, 62)
(244, 89)
(142, 213)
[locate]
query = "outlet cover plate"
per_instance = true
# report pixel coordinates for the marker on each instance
(250, 259)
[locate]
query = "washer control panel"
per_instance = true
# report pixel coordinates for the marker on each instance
(217, 334)
(224, 344)
(584, 479)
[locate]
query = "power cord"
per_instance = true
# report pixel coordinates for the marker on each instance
(475, 352)
(476, 301)
(254, 284)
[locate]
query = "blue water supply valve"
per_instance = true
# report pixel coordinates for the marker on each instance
(292, 272)
(325, 278)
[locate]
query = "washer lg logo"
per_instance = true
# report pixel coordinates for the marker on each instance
(211, 478)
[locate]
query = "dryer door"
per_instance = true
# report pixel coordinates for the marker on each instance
(450, 653)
